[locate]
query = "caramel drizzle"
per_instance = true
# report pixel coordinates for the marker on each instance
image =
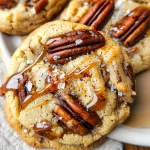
(53, 85)
(3, 89)
(48, 89)
(45, 102)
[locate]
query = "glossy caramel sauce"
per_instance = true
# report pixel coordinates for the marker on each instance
(48, 89)
(52, 86)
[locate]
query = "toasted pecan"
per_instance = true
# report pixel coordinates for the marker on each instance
(131, 28)
(70, 122)
(73, 44)
(74, 115)
(98, 13)
(75, 106)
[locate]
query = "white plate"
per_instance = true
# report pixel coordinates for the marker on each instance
(123, 133)
(10, 46)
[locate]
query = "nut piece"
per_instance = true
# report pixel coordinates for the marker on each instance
(40, 5)
(131, 28)
(72, 44)
(70, 122)
(98, 13)
(74, 104)
(7, 3)
(80, 120)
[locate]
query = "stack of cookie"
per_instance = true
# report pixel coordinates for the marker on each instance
(71, 81)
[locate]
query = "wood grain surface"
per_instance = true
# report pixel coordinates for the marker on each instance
(133, 147)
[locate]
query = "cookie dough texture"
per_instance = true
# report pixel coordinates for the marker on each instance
(140, 59)
(112, 114)
(21, 19)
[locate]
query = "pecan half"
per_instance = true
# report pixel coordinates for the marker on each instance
(7, 3)
(72, 44)
(70, 122)
(131, 28)
(98, 13)
(72, 111)
(40, 5)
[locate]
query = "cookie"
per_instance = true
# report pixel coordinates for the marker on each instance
(21, 17)
(138, 52)
(65, 92)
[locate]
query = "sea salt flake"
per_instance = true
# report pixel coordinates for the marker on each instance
(62, 76)
(113, 87)
(61, 85)
(120, 93)
(56, 57)
(60, 118)
(25, 130)
(107, 70)
(70, 58)
(55, 71)
(102, 65)
(28, 85)
(78, 41)
(29, 62)
(85, 3)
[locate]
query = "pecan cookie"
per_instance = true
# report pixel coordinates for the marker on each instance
(128, 24)
(20, 17)
(65, 92)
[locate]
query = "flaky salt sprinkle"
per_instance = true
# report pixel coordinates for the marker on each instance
(62, 76)
(56, 57)
(102, 65)
(25, 130)
(28, 85)
(29, 62)
(113, 87)
(120, 93)
(78, 41)
(61, 85)
(85, 3)
(55, 71)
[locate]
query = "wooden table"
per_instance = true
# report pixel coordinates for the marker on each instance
(133, 147)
